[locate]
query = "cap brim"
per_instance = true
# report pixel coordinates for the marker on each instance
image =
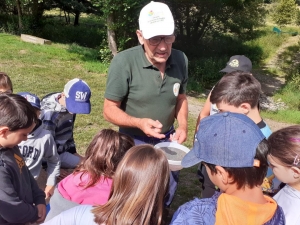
(79, 107)
(190, 159)
(227, 70)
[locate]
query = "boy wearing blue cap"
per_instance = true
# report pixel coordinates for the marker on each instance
(58, 115)
(234, 152)
(40, 145)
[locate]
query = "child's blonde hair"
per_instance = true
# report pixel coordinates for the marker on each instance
(140, 185)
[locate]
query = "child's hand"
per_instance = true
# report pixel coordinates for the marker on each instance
(41, 213)
(49, 191)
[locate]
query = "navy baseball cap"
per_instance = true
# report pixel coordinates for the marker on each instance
(32, 99)
(78, 95)
(225, 139)
(238, 62)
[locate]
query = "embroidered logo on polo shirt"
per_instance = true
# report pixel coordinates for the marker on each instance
(176, 89)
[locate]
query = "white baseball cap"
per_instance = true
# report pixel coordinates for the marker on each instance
(156, 19)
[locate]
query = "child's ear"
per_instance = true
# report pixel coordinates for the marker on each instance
(223, 175)
(296, 171)
(245, 107)
(3, 130)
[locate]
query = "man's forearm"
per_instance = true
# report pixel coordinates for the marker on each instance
(117, 116)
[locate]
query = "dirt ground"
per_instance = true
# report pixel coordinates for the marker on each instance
(195, 107)
(270, 83)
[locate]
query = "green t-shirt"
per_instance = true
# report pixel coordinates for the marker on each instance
(135, 82)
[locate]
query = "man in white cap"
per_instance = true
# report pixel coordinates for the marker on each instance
(146, 84)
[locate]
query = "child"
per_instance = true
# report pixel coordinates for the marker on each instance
(238, 92)
(234, 152)
(140, 185)
(235, 63)
(58, 116)
(5, 83)
(91, 181)
(284, 159)
(38, 146)
(21, 200)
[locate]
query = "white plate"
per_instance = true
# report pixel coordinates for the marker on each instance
(174, 165)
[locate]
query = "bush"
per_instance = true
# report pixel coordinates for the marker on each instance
(205, 71)
(87, 35)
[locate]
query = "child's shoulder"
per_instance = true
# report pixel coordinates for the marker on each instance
(197, 210)
(11, 159)
(50, 104)
(41, 133)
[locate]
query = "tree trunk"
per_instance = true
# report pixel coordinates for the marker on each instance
(111, 36)
(76, 20)
(19, 14)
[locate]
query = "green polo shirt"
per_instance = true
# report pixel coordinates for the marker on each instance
(135, 82)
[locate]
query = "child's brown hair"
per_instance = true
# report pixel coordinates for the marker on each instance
(103, 155)
(284, 144)
(248, 176)
(236, 88)
(139, 189)
(5, 82)
(16, 112)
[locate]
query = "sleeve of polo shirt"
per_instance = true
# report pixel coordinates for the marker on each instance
(182, 89)
(118, 78)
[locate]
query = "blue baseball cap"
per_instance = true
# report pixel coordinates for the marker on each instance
(32, 99)
(225, 139)
(78, 95)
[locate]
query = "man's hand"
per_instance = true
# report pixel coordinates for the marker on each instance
(49, 191)
(180, 135)
(151, 128)
(41, 213)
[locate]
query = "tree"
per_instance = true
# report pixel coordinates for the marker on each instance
(285, 12)
(75, 7)
(121, 21)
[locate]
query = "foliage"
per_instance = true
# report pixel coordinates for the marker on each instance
(298, 18)
(213, 54)
(198, 19)
(125, 19)
(205, 71)
(75, 7)
(285, 12)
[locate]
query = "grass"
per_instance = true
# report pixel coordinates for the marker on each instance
(287, 65)
(42, 69)
(290, 96)
(268, 42)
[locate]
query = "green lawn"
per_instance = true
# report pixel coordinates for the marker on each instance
(42, 69)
